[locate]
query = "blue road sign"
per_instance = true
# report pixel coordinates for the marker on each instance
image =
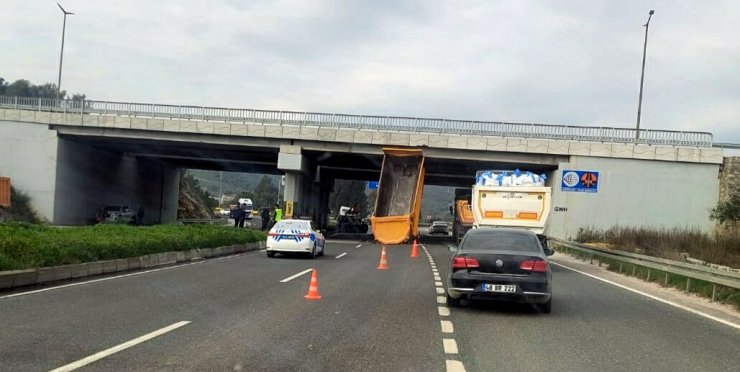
(580, 181)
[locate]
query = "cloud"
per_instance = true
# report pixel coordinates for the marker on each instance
(531, 61)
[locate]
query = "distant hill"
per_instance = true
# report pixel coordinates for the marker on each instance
(233, 183)
(436, 200)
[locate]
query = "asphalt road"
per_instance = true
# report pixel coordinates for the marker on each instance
(242, 317)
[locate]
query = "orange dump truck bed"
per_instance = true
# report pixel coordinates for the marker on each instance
(396, 217)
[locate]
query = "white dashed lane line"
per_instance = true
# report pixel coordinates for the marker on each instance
(304, 272)
(449, 344)
(341, 255)
(455, 366)
(446, 326)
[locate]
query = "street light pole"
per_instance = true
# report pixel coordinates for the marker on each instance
(61, 55)
(642, 75)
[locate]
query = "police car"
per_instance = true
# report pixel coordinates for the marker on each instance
(295, 236)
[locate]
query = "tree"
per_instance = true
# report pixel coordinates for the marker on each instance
(265, 193)
(349, 193)
(727, 213)
(24, 88)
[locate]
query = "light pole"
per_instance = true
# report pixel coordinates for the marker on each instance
(61, 55)
(642, 75)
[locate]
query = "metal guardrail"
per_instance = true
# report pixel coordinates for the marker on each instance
(727, 145)
(690, 271)
(367, 122)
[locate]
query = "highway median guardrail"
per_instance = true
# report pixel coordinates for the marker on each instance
(363, 122)
(20, 278)
(725, 278)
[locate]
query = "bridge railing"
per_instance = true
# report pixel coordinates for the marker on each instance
(366, 122)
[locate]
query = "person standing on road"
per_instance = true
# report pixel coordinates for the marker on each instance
(242, 215)
(237, 215)
(278, 215)
(265, 216)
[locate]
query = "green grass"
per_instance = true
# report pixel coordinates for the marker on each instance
(702, 288)
(24, 246)
(721, 249)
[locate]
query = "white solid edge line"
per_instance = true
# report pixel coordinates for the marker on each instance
(102, 354)
(454, 366)
(450, 345)
(304, 272)
(682, 307)
(176, 266)
(341, 255)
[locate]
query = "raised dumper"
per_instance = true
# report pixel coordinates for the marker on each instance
(396, 217)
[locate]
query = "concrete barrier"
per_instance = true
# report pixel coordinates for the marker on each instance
(109, 266)
(21, 278)
(95, 268)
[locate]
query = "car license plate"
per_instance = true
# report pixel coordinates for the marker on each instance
(499, 288)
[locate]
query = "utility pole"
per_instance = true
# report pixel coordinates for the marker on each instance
(220, 193)
(61, 55)
(642, 75)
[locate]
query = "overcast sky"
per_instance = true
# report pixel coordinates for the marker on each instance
(556, 62)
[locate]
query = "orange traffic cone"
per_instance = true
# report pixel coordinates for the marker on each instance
(415, 250)
(383, 260)
(313, 288)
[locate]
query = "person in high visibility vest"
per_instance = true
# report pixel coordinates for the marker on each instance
(278, 214)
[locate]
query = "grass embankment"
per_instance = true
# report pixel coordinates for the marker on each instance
(669, 244)
(24, 246)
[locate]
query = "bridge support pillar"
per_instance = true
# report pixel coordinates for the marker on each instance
(295, 166)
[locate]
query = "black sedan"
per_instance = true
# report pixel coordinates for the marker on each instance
(501, 264)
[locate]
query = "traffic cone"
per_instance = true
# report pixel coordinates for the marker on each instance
(313, 288)
(383, 260)
(415, 250)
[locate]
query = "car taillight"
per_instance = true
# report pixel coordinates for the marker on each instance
(460, 262)
(538, 266)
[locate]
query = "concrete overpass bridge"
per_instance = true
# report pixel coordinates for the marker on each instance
(73, 156)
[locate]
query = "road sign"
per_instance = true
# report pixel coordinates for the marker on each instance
(580, 181)
(288, 209)
(372, 185)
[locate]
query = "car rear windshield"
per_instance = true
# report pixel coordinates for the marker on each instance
(291, 225)
(500, 241)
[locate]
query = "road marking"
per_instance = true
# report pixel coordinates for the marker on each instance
(446, 326)
(130, 274)
(437, 277)
(304, 272)
(450, 345)
(454, 366)
(441, 299)
(682, 307)
(102, 354)
(438, 284)
(358, 246)
(341, 255)
(443, 310)
(440, 290)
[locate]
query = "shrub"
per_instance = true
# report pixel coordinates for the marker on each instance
(24, 245)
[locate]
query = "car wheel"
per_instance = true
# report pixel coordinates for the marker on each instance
(270, 254)
(452, 302)
(314, 252)
(323, 248)
(546, 307)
